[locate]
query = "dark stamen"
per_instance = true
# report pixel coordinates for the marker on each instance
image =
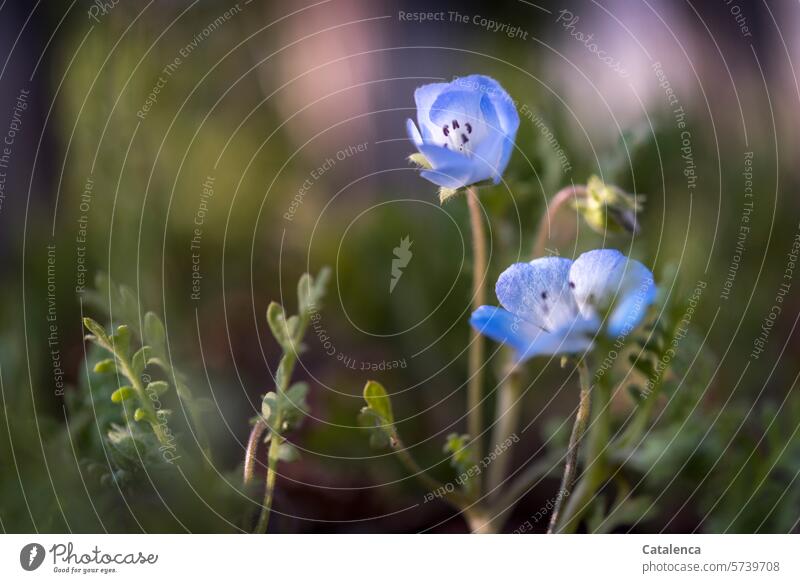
(455, 124)
(469, 127)
(544, 295)
(572, 285)
(464, 138)
(446, 130)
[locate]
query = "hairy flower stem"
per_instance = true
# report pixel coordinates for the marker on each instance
(596, 467)
(252, 449)
(562, 197)
(476, 354)
(578, 429)
(507, 414)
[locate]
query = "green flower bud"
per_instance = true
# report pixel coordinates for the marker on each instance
(608, 208)
(107, 365)
(121, 394)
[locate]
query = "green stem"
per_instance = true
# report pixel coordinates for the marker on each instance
(596, 467)
(144, 399)
(560, 199)
(283, 377)
(455, 498)
(507, 415)
(269, 490)
(578, 429)
(476, 354)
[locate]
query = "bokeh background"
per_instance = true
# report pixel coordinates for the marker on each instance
(276, 128)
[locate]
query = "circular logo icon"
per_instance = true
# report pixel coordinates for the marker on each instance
(31, 556)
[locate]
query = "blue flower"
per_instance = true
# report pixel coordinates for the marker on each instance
(466, 131)
(556, 306)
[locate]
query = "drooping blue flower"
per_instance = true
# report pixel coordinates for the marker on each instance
(554, 305)
(465, 130)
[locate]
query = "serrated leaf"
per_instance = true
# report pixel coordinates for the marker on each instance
(378, 400)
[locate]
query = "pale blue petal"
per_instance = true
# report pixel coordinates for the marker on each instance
(424, 97)
(413, 133)
(604, 278)
(463, 105)
(487, 158)
(441, 157)
(634, 300)
(503, 326)
(449, 178)
(595, 277)
(539, 292)
(503, 104)
(450, 169)
(506, 148)
(528, 340)
(572, 339)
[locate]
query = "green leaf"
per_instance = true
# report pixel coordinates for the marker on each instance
(98, 331)
(461, 454)
(377, 416)
(321, 283)
(122, 394)
(154, 333)
(104, 366)
(305, 297)
(276, 318)
(293, 405)
(157, 387)
(379, 437)
(121, 341)
(269, 409)
(139, 360)
(287, 452)
(378, 400)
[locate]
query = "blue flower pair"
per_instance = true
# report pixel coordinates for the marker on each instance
(554, 305)
(465, 133)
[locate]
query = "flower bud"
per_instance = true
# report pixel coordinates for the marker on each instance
(608, 208)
